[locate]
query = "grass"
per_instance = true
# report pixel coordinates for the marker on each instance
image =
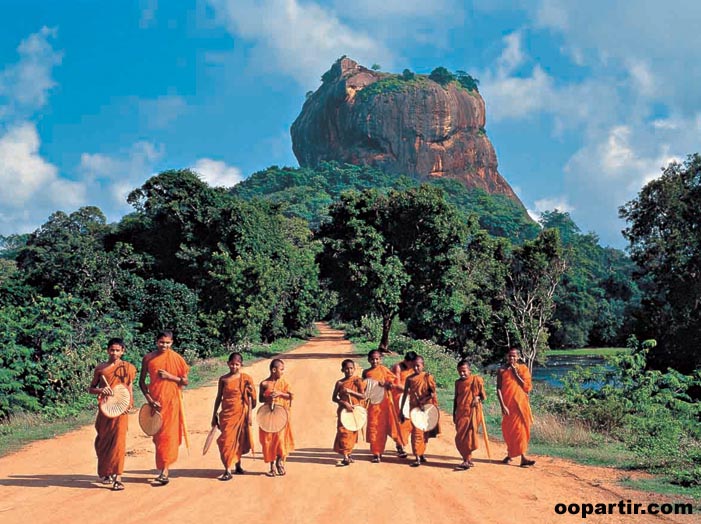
(24, 428)
(660, 485)
(587, 352)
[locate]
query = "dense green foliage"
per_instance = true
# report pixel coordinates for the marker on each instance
(308, 193)
(381, 251)
(411, 254)
(651, 412)
(596, 296)
(664, 231)
(213, 267)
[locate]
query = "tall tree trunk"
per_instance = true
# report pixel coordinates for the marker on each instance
(386, 326)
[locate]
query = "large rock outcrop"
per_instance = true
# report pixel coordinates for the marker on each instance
(406, 126)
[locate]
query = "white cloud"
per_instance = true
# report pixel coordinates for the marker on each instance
(28, 183)
(217, 173)
(160, 112)
(559, 203)
(609, 171)
(296, 39)
(23, 170)
(26, 84)
(117, 174)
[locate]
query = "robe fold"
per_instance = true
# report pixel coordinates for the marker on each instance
(346, 439)
(111, 439)
(235, 438)
(383, 419)
(402, 434)
(280, 444)
(420, 385)
(516, 426)
(169, 395)
(467, 417)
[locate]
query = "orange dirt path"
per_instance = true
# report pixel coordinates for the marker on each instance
(55, 481)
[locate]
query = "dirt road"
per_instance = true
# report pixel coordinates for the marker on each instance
(55, 481)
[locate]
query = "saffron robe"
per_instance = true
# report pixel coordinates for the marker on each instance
(467, 417)
(235, 439)
(383, 419)
(169, 395)
(280, 444)
(111, 439)
(516, 426)
(401, 436)
(420, 386)
(346, 439)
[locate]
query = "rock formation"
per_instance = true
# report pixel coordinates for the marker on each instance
(401, 124)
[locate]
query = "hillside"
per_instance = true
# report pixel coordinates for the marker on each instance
(308, 192)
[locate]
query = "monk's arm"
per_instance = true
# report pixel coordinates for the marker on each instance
(504, 409)
(144, 387)
(251, 388)
(180, 380)
(336, 396)
(94, 388)
(455, 401)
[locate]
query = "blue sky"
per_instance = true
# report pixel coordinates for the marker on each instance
(586, 101)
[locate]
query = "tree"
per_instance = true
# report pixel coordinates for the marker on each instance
(376, 67)
(664, 235)
(392, 255)
(467, 81)
(408, 74)
(534, 273)
(67, 254)
(441, 76)
(358, 260)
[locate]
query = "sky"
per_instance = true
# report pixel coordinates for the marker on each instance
(586, 101)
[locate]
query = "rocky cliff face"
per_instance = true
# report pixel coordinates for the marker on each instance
(415, 127)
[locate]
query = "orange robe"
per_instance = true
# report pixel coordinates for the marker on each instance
(280, 444)
(169, 395)
(419, 387)
(467, 418)
(345, 438)
(516, 426)
(401, 436)
(382, 418)
(111, 439)
(235, 438)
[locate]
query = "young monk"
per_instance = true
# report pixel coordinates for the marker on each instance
(237, 396)
(167, 372)
(420, 389)
(401, 371)
(276, 446)
(111, 440)
(513, 386)
(346, 393)
(469, 392)
(383, 419)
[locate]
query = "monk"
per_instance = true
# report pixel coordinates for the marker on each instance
(167, 372)
(513, 386)
(276, 446)
(111, 440)
(237, 396)
(346, 393)
(469, 392)
(383, 419)
(420, 389)
(401, 372)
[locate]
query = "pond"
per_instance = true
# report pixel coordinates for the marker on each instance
(557, 366)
